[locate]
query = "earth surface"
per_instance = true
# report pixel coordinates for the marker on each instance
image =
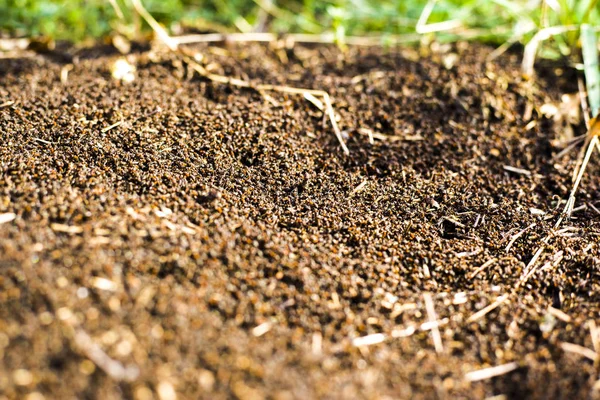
(178, 238)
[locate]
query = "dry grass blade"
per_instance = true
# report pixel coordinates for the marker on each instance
(579, 350)
(485, 265)
(484, 311)
(423, 27)
(532, 47)
(517, 236)
(159, 30)
(491, 372)
(432, 317)
(584, 103)
(7, 217)
(325, 38)
(113, 368)
(590, 145)
(117, 9)
(574, 143)
(594, 334)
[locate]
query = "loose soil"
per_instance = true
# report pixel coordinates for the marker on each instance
(219, 244)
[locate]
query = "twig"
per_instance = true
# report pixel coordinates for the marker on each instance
(117, 9)
(531, 47)
(160, 31)
(369, 340)
(531, 266)
(326, 38)
(594, 335)
(112, 368)
(590, 148)
(7, 217)
(491, 372)
(360, 187)
(484, 311)
(518, 235)
(559, 314)
(317, 343)
(516, 170)
(423, 27)
(574, 142)
(585, 109)
(108, 128)
(431, 316)
(579, 350)
(593, 207)
(369, 133)
(483, 267)
(42, 141)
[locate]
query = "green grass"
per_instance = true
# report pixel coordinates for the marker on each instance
(495, 20)
(492, 21)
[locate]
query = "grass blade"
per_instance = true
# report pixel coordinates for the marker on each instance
(589, 45)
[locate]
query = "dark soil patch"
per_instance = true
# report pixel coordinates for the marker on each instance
(242, 259)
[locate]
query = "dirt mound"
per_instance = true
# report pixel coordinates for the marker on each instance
(216, 243)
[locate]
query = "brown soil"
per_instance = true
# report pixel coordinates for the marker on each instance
(223, 246)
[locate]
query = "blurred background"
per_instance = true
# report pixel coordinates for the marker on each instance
(492, 21)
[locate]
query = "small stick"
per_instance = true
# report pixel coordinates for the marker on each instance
(262, 329)
(532, 46)
(326, 38)
(580, 350)
(42, 141)
(593, 131)
(317, 343)
(591, 205)
(575, 142)
(64, 73)
(423, 27)
(117, 9)
(369, 340)
(360, 187)
(7, 217)
(111, 367)
(518, 235)
(402, 333)
(583, 100)
(316, 102)
(560, 314)
(484, 311)
(530, 268)
(336, 128)
(590, 148)
(594, 335)
(578, 163)
(516, 170)
(491, 372)
(483, 267)
(108, 128)
(369, 133)
(162, 34)
(431, 316)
